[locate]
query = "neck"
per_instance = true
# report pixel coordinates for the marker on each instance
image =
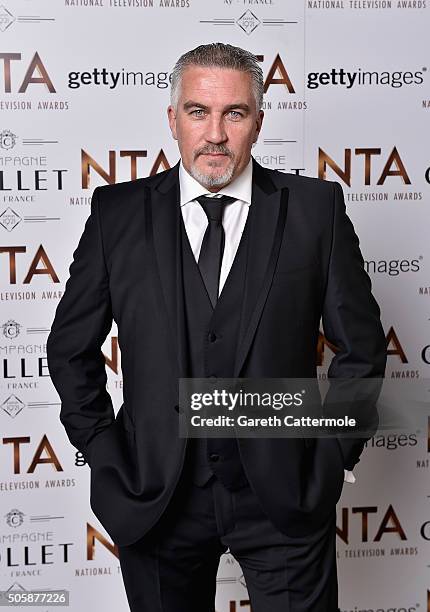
(215, 188)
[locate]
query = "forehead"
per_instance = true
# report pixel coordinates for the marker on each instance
(212, 84)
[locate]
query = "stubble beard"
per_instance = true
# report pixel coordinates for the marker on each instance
(210, 179)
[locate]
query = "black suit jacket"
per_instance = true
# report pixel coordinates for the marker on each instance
(305, 264)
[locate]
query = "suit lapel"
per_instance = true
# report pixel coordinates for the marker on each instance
(166, 215)
(268, 214)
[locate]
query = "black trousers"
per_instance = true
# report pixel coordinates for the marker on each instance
(173, 568)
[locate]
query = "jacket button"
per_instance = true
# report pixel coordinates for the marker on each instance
(214, 457)
(212, 337)
(177, 408)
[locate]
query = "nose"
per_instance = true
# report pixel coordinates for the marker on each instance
(215, 132)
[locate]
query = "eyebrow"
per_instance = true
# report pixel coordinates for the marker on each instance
(190, 104)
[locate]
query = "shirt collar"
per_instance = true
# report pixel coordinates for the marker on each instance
(240, 188)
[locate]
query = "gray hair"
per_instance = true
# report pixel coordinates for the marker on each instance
(219, 55)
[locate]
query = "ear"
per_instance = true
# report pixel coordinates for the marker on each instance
(171, 114)
(259, 123)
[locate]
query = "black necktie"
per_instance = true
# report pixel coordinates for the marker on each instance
(212, 248)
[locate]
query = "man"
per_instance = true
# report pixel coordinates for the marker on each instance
(213, 286)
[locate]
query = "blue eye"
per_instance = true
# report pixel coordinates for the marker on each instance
(235, 114)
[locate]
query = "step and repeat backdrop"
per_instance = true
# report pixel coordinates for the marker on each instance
(84, 87)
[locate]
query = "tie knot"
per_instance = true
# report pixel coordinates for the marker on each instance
(214, 207)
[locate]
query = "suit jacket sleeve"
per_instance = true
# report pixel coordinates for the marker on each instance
(82, 321)
(351, 321)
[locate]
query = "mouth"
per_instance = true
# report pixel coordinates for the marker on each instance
(214, 155)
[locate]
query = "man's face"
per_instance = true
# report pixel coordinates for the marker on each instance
(215, 123)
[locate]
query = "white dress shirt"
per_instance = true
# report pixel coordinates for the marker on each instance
(233, 221)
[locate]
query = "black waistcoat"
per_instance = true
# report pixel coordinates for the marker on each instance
(210, 347)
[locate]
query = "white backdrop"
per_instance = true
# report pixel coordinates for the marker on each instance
(347, 99)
